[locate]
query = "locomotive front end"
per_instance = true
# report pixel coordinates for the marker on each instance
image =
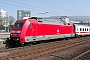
(16, 32)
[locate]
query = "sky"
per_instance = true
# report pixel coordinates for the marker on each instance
(53, 7)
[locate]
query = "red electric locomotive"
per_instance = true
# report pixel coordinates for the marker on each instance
(31, 30)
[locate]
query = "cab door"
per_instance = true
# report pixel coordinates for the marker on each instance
(34, 29)
(31, 29)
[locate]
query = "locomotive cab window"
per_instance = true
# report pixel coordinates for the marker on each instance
(18, 25)
(30, 26)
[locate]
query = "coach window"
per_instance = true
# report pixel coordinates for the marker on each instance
(77, 28)
(83, 29)
(80, 29)
(87, 29)
(30, 26)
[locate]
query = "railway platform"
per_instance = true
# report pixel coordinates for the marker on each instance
(2, 43)
(3, 38)
(4, 33)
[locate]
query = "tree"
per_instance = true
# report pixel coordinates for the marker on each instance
(11, 20)
(1, 19)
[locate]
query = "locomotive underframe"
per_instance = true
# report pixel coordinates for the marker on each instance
(11, 42)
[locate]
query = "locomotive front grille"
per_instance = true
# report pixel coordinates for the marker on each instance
(15, 39)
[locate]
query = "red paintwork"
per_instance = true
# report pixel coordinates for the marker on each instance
(48, 29)
(83, 33)
(39, 29)
(23, 32)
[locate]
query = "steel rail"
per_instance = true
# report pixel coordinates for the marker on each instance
(43, 51)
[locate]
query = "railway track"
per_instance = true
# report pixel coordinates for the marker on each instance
(4, 49)
(31, 54)
(81, 55)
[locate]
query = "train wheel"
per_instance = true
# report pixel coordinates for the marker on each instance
(29, 44)
(67, 38)
(41, 42)
(77, 36)
(9, 44)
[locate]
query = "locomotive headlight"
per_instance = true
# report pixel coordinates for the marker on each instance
(13, 31)
(17, 39)
(18, 31)
(10, 34)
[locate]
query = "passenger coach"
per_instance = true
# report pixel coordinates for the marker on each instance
(82, 30)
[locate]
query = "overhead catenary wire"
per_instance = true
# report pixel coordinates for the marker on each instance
(57, 13)
(49, 10)
(19, 6)
(57, 6)
(23, 7)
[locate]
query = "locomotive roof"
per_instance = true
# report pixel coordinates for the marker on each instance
(57, 21)
(81, 25)
(21, 20)
(51, 21)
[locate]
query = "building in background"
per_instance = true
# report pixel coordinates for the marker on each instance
(22, 14)
(3, 20)
(3, 13)
(3, 16)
